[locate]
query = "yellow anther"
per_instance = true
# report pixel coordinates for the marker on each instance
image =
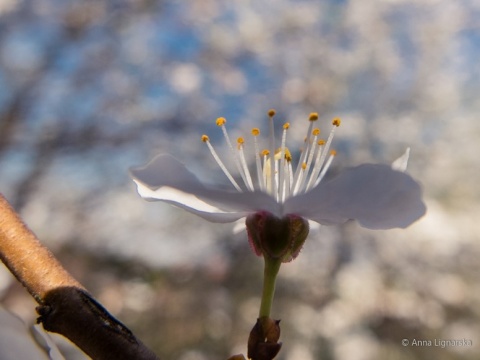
(316, 131)
(336, 121)
(265, 152)
(255, 131)
(313, 116)
(271, 113)
(288, 155)
(333, 152)
(205, 138)
(286, 125)
(240, 142)
(304, 166)
(321, 142)
(221, 121)
(278, 154)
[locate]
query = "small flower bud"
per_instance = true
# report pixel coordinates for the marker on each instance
(263, 340)
(280, 239)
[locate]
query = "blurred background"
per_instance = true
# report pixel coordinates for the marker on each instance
(90, 88)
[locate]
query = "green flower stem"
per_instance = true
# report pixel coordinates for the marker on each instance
(269, 277)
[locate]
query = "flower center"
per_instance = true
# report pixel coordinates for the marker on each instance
(275, 173)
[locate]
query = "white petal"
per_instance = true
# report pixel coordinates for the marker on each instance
(374, 195)
(165, 170)
(168, 180)
(188, 202)
(401, 163)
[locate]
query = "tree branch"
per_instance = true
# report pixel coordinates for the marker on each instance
(65, 305)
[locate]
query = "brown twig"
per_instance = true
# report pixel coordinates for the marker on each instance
(65, 306)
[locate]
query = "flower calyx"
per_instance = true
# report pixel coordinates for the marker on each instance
(276, 238)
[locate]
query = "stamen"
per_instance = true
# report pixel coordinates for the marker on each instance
(221, 121)
(335, 123)
(273, 170)
(313, 148)
(288, 179)
(206, 140)
(283, 149)
(313, 116)
(285, 183)
(290, 172)
(306, 148)
(317, 167)
(266, 170)
(249, 183)
(240, 142)
(288, 155)
(299, 179)
(333, 153)
(321, 160)
(261, 183)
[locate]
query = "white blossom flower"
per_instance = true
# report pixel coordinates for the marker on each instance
(377, 196)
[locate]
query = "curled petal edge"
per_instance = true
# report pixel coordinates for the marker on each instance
(188, 202)
(167, 179)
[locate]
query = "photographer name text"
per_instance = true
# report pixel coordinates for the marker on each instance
(438, 343)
